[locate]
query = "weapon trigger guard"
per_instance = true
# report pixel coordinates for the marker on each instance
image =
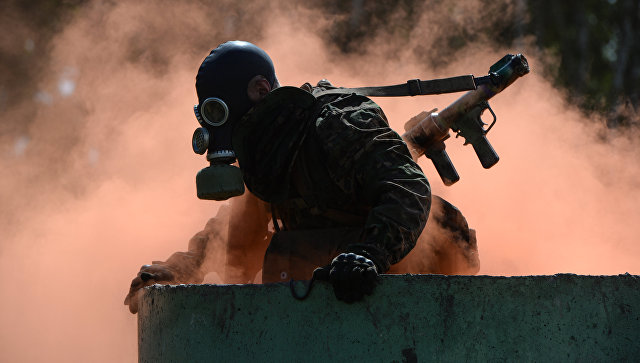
(494, 119)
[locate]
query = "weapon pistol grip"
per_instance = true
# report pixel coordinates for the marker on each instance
(485, 152)
(443, 165)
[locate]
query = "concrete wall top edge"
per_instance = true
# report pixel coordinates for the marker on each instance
(409, 318)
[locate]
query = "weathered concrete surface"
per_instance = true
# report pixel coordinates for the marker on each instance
(409, 318)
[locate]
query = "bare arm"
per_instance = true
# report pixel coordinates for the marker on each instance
(248, 238)
(185, 267)
(236, 239)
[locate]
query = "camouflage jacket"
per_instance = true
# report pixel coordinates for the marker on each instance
(334, 162)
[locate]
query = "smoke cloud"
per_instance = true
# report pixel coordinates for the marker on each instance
(99, 175)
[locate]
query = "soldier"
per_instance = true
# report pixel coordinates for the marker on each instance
(337, 183)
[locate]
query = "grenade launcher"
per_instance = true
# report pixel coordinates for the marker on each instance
(426, 135)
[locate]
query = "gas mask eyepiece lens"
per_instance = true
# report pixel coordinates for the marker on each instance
(214, 111)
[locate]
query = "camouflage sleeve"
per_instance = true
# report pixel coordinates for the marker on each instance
(366, 157)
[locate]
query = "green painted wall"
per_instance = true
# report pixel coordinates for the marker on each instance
(409, 318)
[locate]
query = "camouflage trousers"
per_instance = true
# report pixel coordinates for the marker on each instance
(446, 246)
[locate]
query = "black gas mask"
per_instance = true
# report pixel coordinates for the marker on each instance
(220, 180)
(221, 85)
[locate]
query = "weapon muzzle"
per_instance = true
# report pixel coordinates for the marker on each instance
(505, 71)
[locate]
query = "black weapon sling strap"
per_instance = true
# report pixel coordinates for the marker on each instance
(413, 87)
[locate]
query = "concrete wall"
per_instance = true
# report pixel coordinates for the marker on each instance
(408, 319)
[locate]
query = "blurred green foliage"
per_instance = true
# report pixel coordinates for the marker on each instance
(27, 29)
(594, 42)
(588, 46)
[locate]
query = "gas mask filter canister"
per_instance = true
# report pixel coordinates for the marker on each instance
(220, 180)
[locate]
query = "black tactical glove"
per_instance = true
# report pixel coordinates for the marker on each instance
(352, 277)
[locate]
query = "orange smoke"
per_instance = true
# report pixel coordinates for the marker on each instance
(103, 179)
